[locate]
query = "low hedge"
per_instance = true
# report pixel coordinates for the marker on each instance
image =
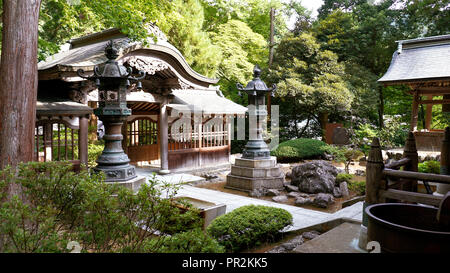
(298, 149)
(193, 241)
(249, 226)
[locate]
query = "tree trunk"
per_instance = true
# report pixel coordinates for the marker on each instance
(18, 80)
(323, 120)
(381, 107)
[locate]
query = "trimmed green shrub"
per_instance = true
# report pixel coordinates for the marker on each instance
(357, 186)
(344, 177)
(193, 241)
(249, 226)
(298, 149)
(431, 166)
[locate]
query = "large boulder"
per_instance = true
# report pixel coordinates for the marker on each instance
(315, 177)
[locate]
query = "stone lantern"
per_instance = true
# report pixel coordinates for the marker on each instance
(113, 80)
(256, 90)
(256, 171)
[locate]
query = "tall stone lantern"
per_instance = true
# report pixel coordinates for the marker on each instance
(256, 171)
(112, 80)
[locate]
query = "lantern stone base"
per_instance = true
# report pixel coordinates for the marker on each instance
(252, 174)
(133, 184)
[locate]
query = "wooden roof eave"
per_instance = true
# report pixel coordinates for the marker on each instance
(424, 86)
(68, 72)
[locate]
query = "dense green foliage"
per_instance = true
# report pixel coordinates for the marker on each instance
(249, 226)
(298, 149)
(343, 177)
(310, 81)
(94, 151)
(430, 166)
(359, 187)
(326, 67)
(57, 206)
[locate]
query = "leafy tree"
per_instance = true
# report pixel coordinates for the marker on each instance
(255, 13)
(364, 32)
(310, 78)
(242, 49)
(183, 27)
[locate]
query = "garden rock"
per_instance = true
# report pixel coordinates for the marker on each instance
(280, 199)
(300, 201)
(288, 174)
(258, 192)
(288, 246)
(337, 192)
(291, 244)
(323, 200)
(273, 192)
(360, 172)
(291, 188)
(315, 177)
(344, 189)
(297, 194)
(309, 235)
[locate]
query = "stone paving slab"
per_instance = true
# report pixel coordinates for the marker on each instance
(301, 217)
(341, 239)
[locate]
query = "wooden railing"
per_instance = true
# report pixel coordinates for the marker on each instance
(387, 183)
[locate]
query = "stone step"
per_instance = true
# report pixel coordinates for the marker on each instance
(256, 163)
(249, 183)
(256, 172)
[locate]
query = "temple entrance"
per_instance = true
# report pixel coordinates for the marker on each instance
(142, 135)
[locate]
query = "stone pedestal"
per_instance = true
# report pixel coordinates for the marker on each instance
(133, 184)
(251, 174)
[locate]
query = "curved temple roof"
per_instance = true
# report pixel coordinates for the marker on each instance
(88, 51)
(419, 60)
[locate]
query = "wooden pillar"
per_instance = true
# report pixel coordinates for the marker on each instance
(442, 189)
(429, 113)
(83, 140)
(48, 142)
(410, 151)
(93, 123)
(164, 139)
(374, 172)
(415, 111)
(374, 175)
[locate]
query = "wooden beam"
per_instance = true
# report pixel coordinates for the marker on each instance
(444, 179)
(413, 197)
(429, 113)
(415, 112)
(434, 91)
(447, 101)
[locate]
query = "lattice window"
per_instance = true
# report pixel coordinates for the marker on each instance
(184, 134)
(56, 140)
(214, 133)
(142, 131)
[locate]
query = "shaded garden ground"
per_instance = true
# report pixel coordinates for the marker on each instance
(217, 182)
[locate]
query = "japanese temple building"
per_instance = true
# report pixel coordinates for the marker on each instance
(423, 64)
(180, 120)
